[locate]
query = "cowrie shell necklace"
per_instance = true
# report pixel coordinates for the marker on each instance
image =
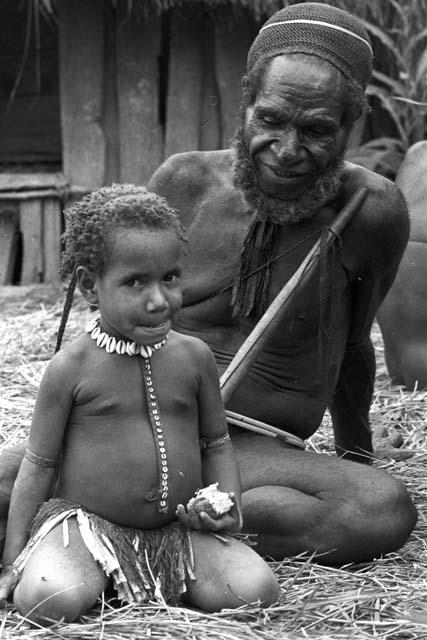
(122, 347)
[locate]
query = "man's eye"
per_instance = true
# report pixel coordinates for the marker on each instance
(317, 131)
(270, 121)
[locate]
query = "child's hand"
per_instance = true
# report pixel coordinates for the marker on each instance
(191, 518)
(8, 580)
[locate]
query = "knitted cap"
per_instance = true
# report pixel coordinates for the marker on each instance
(319, 30)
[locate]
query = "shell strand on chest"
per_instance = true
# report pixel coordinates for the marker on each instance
(120, 347)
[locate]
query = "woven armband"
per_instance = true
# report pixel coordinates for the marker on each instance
(214, 443)
(39, 461)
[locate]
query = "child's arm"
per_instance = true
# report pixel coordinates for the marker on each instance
(35, 479)
(219, 463)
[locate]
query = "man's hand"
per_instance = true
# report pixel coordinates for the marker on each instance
(230, 521)
(8, 580)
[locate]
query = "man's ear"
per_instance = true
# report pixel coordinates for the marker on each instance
(86, 282)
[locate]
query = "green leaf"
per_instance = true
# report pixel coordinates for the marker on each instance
(385, 101)
(416, 39)
(416, 103)
(395, 85)
(385, 39)
(421, 70)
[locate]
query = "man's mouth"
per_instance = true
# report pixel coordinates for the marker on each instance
(287, 174)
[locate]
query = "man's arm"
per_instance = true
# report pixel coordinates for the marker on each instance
(351, 403)
(383, 233)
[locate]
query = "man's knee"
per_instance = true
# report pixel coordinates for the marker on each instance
(397, 510)
(375, 521)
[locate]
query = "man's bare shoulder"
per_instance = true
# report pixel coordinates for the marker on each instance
(192, 179)
(381, 226)
(199, 184)
(384, 202)
(193, 167)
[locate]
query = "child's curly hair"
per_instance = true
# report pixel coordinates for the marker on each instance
(90, 225)
(91, 222)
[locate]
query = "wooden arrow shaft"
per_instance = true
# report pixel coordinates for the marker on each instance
(256, 340)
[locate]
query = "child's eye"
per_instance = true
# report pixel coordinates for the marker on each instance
(171, 278)
(134, 282)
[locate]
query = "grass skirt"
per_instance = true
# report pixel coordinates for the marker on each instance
(145, 565)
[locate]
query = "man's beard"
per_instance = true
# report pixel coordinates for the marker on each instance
(281, 211)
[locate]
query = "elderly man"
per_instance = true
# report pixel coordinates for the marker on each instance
(252, 213)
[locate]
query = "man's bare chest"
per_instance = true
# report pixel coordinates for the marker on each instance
(214, 256)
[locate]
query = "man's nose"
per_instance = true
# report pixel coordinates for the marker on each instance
(287, 146)
(156, 299)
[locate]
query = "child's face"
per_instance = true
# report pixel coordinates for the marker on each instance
(139, 290)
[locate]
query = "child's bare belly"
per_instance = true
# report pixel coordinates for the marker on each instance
(111, 469)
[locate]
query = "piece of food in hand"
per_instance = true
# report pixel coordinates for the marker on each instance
(212, 501)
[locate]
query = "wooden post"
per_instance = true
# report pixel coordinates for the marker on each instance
(232, 42)
(81, 52)
(140, 132)
(30, 213)
(8, 241)
(183, 109)
(110, 111)
(210, 122)
(52, 228)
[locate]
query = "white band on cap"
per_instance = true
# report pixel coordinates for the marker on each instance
(323, 24)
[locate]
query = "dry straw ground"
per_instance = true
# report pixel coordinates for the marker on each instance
(383, 599)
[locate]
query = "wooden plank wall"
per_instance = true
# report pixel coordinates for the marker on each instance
(138, 47)
(8, 240)
(132, 92)
(31, 224)
(232, 40)
(184, 93)
(136, 89)
(81, 55)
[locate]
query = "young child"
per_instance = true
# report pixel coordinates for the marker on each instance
(128, 424)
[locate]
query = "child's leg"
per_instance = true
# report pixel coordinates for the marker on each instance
(228, 575)
(59, 583)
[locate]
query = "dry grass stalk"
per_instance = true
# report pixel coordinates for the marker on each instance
(386, 600)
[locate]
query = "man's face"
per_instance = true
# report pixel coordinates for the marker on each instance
(293, 134)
